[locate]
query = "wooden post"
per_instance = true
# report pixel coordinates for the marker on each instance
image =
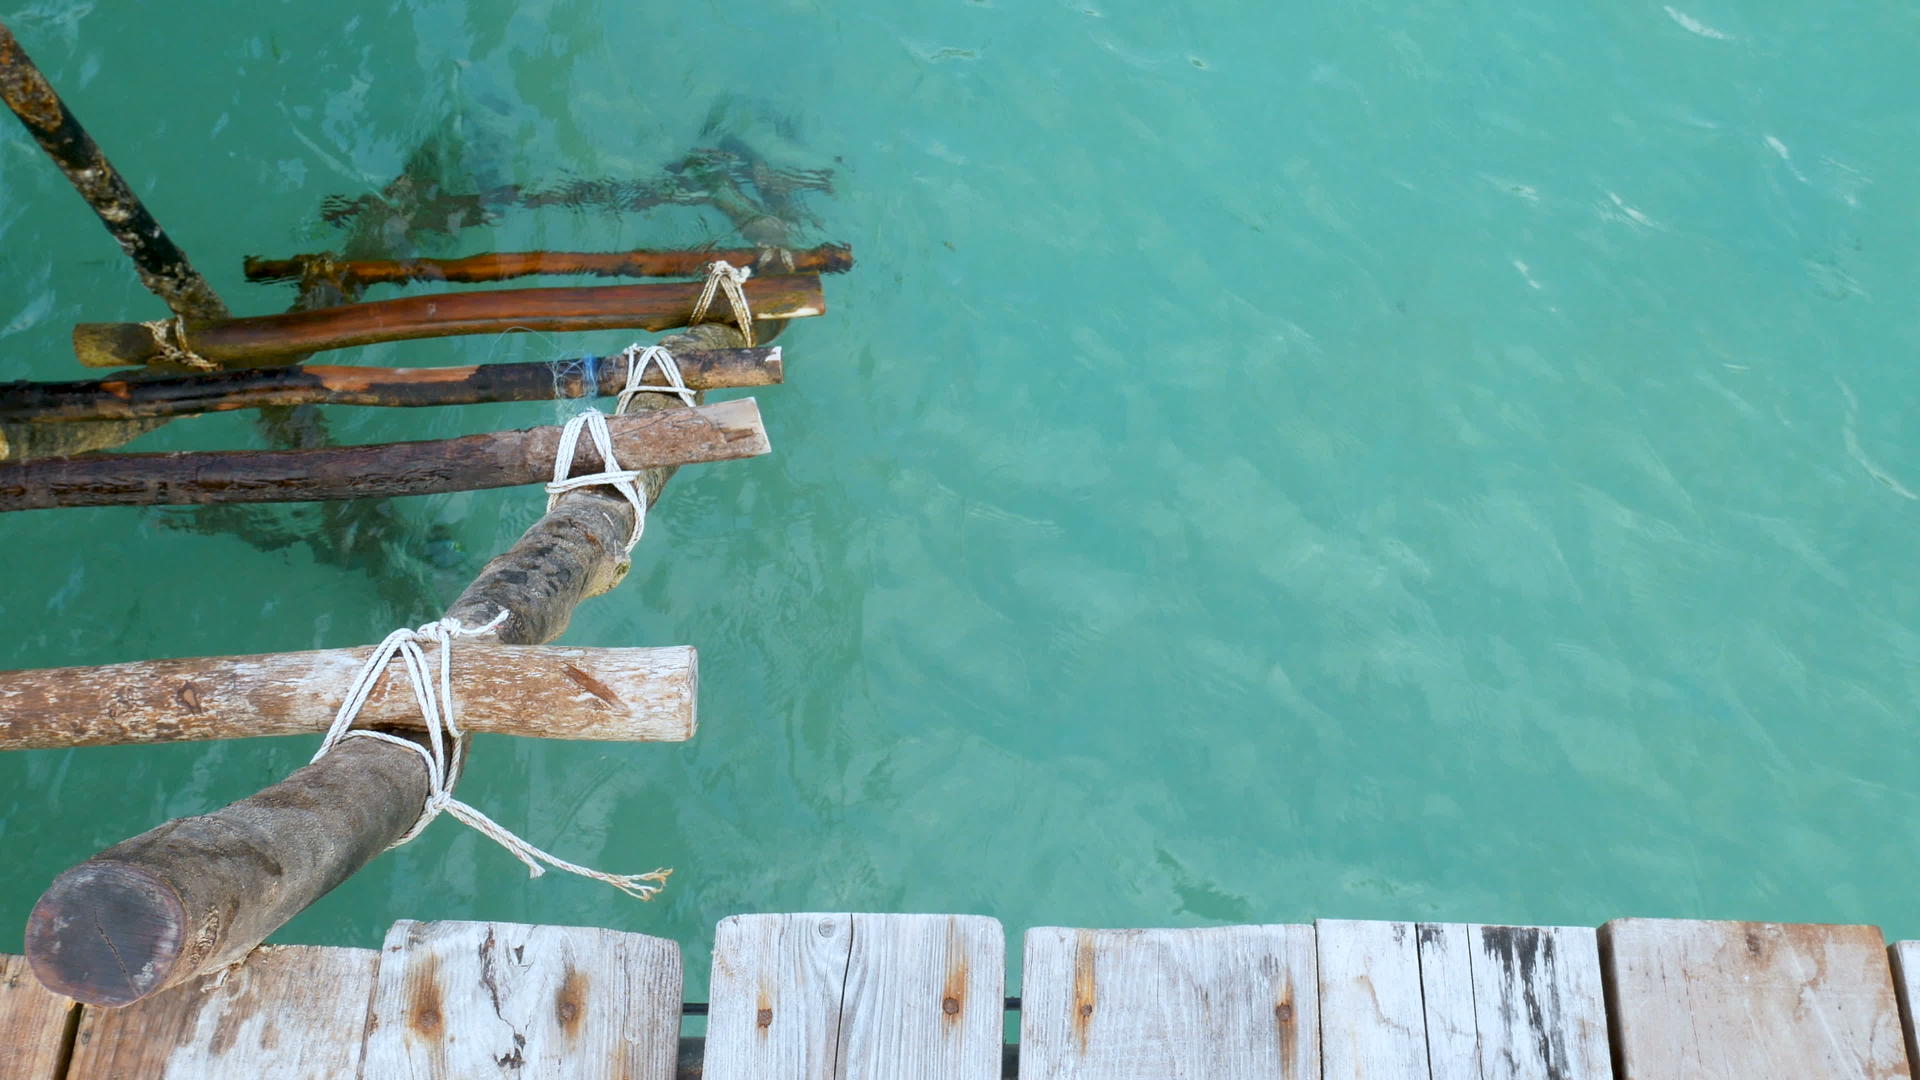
(198, 893)
(266, 339)
(721, 432)
(614, 695)
(315, 384)
(500, 266)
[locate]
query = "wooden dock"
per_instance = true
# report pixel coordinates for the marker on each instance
(896, 997)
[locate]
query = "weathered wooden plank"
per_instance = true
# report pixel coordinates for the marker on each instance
(626, 695)
(475, 999)
(853, 997)
(1372, 1023)
(1513, 1002)
(33, 1024)
(1905, 958)
(1756, 1001)
(1220, 1003)
(291, 1012)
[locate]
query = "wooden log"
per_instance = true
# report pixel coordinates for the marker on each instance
(35, 1025)
(1226, 1001)
(489, 999)
(266, 339)
(162, 266)
(500, 266)
(1760, 1001)
(196, 894)
(616, 695)
(856, 997)
(721, 432)
(291, 1012)
(253, 388)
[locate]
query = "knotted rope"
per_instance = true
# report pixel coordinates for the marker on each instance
(594, 423)
(444, 761)
(722, 274)
(170, 340)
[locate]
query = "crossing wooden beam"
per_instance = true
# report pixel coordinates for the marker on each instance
(616, 695)
(500, 266)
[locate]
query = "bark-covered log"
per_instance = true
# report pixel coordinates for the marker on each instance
(264, 339)
(500, 266)
(614, 695)
(720, 432)
(197, 894)
(315, 384)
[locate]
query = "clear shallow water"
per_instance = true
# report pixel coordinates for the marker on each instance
(1415, 461)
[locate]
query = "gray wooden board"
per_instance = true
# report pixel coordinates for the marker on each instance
(1221, 1003)
(1513, 1002)
(297, 1012)
(1372, 1023)
(475, 999)
(856, 997)
(1753, 1001)
(1905, 957)
(33, 1024)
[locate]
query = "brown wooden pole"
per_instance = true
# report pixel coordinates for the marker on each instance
(315, 384)
(720, 432)
(197, 894)
(500, 266)
(538, 691)
(263, 339)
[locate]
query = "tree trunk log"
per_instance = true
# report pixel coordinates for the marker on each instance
(266, 338)
(720, 432)
(614, 695)
(197, 894)
(500, 266)
(314, 384)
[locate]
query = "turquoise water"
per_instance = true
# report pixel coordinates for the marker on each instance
(1416, 461)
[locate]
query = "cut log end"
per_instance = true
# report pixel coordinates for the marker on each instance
(106, 933)
(101, 345)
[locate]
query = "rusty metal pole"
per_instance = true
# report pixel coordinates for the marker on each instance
(163, 267)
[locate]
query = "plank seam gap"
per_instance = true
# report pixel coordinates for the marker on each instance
(69, 1041)
(840, 1012)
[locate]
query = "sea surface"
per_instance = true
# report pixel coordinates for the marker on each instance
(1430, 460)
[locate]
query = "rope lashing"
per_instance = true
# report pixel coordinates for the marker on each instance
(444, 754)
(170, 341)
(625, 481)
(723, 275)
(638, 361)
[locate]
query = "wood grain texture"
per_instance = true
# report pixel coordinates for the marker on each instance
(33, 1024)
(1372, 1022)
(270, 339)
(1513, 1002)
(1756, 1001)
(291, 1012)
(1905, 958)
(666, 437)
(625, 695)
(319, 384)
(1223, 1003)
(856, 997)
(500, 266)
(474, 999)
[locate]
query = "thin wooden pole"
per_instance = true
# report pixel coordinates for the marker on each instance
(264, 339)
(722, 432)
(500, 266)
(315, 384)
(197, 894)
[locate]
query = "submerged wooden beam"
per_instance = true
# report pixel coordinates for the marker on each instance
(616, 695)
(199, 893)
(721, 432)
(266, 339)
(500, 266)
(315, 384)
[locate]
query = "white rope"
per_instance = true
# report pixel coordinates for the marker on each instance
(170, 340)
(724, 275)
(445, 750)
(638, 361)
(625, 481)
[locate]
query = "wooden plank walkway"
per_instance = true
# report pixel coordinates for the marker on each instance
(861, 997)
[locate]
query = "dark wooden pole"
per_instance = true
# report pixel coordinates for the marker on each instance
(720, 432)
(500, 266)
(197, 894)
(267, 338)
(315, 384)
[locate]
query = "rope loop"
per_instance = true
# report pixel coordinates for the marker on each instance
(444, 754)
(638, 361)
(729, 278)
(170, 341)
(625, 481)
